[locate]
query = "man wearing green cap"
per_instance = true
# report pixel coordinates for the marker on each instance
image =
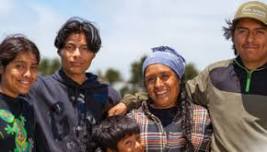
(235, 90)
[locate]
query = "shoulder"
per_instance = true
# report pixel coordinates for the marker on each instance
(113, 94)
(42, 81)
(222, 63)
(97, 83)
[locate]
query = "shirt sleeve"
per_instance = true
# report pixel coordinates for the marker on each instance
(201, 129)
(134, 101)
(113, 95)
(197, 88)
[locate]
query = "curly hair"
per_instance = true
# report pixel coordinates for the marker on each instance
(229, 32)
(79, 25)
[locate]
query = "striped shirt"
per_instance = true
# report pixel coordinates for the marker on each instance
(170, 138)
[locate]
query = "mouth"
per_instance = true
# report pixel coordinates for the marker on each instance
(25, 83)
(161, 93)
(76, 64)
(250, 47)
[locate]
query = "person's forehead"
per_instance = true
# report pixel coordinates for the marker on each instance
(25, 55)
(248, 21)
(75, 36)
(129, 136)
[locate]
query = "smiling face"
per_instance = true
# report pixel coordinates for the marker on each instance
(163, 85)
(19, 75)
(250, 40)
(131, 143)
(76, 56)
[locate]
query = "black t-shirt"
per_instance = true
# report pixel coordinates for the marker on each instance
(166, 116)
(16, 125)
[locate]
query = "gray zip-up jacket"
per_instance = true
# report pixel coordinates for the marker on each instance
(237, 102)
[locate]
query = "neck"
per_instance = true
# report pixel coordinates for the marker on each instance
(4, 91)
(161, 107)
(78, 78)
(253, 66)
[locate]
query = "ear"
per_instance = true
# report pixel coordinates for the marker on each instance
(59, 51)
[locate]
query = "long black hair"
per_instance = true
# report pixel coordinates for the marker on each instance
(185, 113)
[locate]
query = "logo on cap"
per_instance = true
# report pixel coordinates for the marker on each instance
(253, 11)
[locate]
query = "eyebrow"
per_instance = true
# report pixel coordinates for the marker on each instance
(73, 43)
(260, 27)
(22, 61)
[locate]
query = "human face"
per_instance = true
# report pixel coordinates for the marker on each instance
(163, 85)
(76, 57)
(19, 75)
(131, 143)
(250, 40)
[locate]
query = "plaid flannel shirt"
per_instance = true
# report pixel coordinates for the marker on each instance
(159, 139)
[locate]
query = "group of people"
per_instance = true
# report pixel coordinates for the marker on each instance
(52, 113)
(221, 110)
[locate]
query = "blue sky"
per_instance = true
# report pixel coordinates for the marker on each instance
(129, 28)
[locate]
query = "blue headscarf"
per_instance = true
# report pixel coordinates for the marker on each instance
(166, 56)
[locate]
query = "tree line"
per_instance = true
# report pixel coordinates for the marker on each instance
(113, 76)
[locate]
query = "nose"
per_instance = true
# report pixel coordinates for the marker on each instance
(27, 73)
(250, 36)
(158, 82)
(139, 146)
(77, 52)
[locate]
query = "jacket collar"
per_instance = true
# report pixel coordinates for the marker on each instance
(240, 63)
(61, 76)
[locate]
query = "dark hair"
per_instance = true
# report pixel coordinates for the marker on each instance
(79, 25)
(185, 112)
(229, 32)
(111, 130)
(14, 44)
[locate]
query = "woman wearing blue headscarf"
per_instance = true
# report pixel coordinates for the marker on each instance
(167, 119)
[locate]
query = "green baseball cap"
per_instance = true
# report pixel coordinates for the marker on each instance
(253, 9)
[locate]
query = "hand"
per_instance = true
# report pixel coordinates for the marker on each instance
(119, 109)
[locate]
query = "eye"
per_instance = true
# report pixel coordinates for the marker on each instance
(34, 68)
(150, 79)
(241, 30)
(129, 143)
(261, 32)
(20, 66)
(84, 48)
(164, 76)
(69, 47)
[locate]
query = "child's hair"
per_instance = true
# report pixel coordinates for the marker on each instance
(110, 131)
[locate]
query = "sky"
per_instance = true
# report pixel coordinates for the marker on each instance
(128, 28)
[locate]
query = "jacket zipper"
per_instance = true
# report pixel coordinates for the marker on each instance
(249, 76)
(248, 81)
